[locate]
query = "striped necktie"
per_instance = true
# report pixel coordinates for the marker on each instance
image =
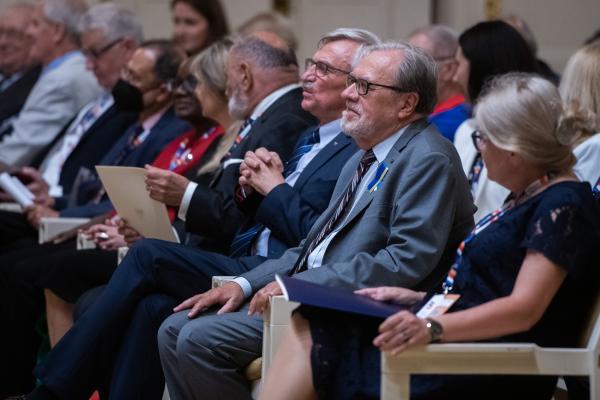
(363, 166)
(303, 147)
(596, 189)
(242, 242)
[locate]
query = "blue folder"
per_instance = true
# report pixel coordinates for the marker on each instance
(333, 298)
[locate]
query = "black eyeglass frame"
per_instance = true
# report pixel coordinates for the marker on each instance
(322, 68)
(478, 139)
(363, 86)
(96, 54)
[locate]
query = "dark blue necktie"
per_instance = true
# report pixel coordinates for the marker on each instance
(304, 146)
(242, 243)
(132, 142)
(596, 189)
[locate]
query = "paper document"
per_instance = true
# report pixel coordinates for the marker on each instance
(16, 189)
(126, 189)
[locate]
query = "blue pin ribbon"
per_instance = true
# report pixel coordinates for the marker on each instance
(381, 172)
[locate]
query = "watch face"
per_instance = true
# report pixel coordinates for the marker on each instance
(435, 329)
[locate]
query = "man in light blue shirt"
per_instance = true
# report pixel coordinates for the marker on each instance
(64, 86)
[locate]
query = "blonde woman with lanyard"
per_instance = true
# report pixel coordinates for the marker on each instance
(526, 273)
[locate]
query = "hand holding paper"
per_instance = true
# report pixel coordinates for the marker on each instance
(126, 188)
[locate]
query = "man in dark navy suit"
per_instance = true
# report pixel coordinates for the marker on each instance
(281, 201)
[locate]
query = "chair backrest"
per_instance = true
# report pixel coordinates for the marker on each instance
(592, 329)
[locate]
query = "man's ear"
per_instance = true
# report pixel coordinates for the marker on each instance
(59, 32)
(448, 70)
(246, 80)
(409, 102)
(164, 94)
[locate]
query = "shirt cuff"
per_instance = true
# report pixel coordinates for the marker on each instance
(186, 199)
(245, 285)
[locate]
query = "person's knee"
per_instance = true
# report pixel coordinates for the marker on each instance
(168, 333)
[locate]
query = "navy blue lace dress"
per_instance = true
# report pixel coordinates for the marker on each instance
(562, 223)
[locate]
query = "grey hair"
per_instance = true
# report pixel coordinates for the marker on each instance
(361, 36)
(523, 113)
(210, 65)
(443, 39)
(66, 13)
(262, 54)
(115, 22)
(416, 73)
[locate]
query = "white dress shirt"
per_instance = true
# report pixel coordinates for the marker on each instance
(587, 168)
(52, 165)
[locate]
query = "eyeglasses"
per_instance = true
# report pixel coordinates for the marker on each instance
(188, 84)
(12, 34)
(96, 54)
(363, 86)
(478, 139)
(322, 69)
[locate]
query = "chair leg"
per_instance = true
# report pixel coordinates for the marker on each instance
(395, 387)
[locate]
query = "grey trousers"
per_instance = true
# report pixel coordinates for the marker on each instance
(205, 357)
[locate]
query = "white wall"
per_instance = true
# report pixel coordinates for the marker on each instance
(560, 26)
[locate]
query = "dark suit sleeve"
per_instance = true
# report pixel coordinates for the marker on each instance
(88, 210)
(212, 210)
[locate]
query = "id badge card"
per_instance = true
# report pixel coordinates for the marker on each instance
(437, 305)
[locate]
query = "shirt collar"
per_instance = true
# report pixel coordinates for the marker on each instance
(382, 149)
(328, 131)
(268, 101)
(58, 61)
(152, 120)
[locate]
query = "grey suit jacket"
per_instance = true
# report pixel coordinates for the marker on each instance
(54, 100)
(405, 233)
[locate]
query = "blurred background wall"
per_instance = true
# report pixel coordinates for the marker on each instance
(560, 26)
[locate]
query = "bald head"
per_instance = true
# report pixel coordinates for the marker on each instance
(258, 65)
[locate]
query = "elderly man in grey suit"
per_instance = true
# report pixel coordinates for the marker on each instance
(398, 212)
(64, 85)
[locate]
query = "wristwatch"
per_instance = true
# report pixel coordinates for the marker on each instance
(435, 330)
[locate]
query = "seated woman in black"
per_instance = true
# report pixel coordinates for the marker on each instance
(527, 273)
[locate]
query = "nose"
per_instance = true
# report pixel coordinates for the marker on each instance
(310, 73)
(350, 93)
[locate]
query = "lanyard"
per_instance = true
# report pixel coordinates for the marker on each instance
(486, 221)
(596, 189)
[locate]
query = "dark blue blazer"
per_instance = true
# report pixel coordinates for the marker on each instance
(13, 97)
(289, 212)
(165, 130)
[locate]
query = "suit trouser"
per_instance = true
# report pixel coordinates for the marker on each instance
(204, 358)
(75, 367)
(21, 306)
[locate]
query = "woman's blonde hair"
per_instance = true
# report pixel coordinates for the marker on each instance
(580, 84)
(210, 66)
(524, 114)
